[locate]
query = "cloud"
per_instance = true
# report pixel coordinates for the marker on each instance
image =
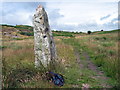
(105, 17)
(94, 26)
(11, 7)
(18, 18)
(68, 16)
(114, 20)
(110, 26)
(19, 12)
(61, 0)
(54, 16)
(77, 28)
(64, 27)
(84, 16)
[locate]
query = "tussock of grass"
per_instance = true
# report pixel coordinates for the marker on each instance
(3, 47)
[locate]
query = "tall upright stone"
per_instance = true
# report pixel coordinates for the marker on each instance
(44, 46)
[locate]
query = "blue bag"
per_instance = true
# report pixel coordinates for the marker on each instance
(57, 79)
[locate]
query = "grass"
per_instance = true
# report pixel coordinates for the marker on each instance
(18, 66)
(17, 38)
(112, 31)
(61, 33)
(18, 61)
(19, 70)
(103, 50)
(2, 47)
(106, 32)
(27, 33)
(21, 27)
(74, 76)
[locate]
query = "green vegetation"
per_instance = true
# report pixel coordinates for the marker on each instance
(62, 33)
(2, 47)
(65, 33)
(22, 27)
(105, 32)
(17, 39)
(103, 51)
(27, 33)
(89, 32)
(6, 25)
(75, 55)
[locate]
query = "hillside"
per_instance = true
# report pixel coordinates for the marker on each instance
(22, 31)
(18, 31)
(105, 32)
(85, 60)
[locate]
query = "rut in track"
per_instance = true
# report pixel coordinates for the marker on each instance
(87, 63)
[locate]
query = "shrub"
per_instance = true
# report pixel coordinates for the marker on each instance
(17, 38)
(104, 38)
(63, 34)
(7, 25)
(2, 47)
(89, 32)
(27, 33)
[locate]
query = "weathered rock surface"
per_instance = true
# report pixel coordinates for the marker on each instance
(44, 44)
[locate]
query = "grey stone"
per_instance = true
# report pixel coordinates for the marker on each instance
(45, 51)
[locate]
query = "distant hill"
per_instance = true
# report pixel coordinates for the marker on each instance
(25, 30)
(18, 31)
(22, 31)
(104, 32)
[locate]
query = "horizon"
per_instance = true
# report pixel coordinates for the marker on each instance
(65, 16)
(62, 30)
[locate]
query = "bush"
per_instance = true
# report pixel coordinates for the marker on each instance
(17, 38)
(7, 25)
(2, 47)
(66, 34)
(89, 32)
(27, 33)
(24, 27)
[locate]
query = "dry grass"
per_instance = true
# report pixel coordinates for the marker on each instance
(19, 55)
(103, 50)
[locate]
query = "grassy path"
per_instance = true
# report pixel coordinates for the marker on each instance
(87, 72)
(87, 63)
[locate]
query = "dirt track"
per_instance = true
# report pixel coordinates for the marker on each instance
(87, 63)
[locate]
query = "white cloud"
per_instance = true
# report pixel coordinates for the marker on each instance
(18, 13)
(70, 16)
(112, 16)
(70, 23)
(85, 13)
(18, 18)
(60, 0)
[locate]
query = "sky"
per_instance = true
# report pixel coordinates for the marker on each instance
(72, 15)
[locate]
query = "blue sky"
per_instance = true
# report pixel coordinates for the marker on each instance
(67, 16)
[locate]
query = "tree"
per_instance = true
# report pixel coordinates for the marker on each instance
(89, 32)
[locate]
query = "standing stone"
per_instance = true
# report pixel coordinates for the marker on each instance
(44, 44)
